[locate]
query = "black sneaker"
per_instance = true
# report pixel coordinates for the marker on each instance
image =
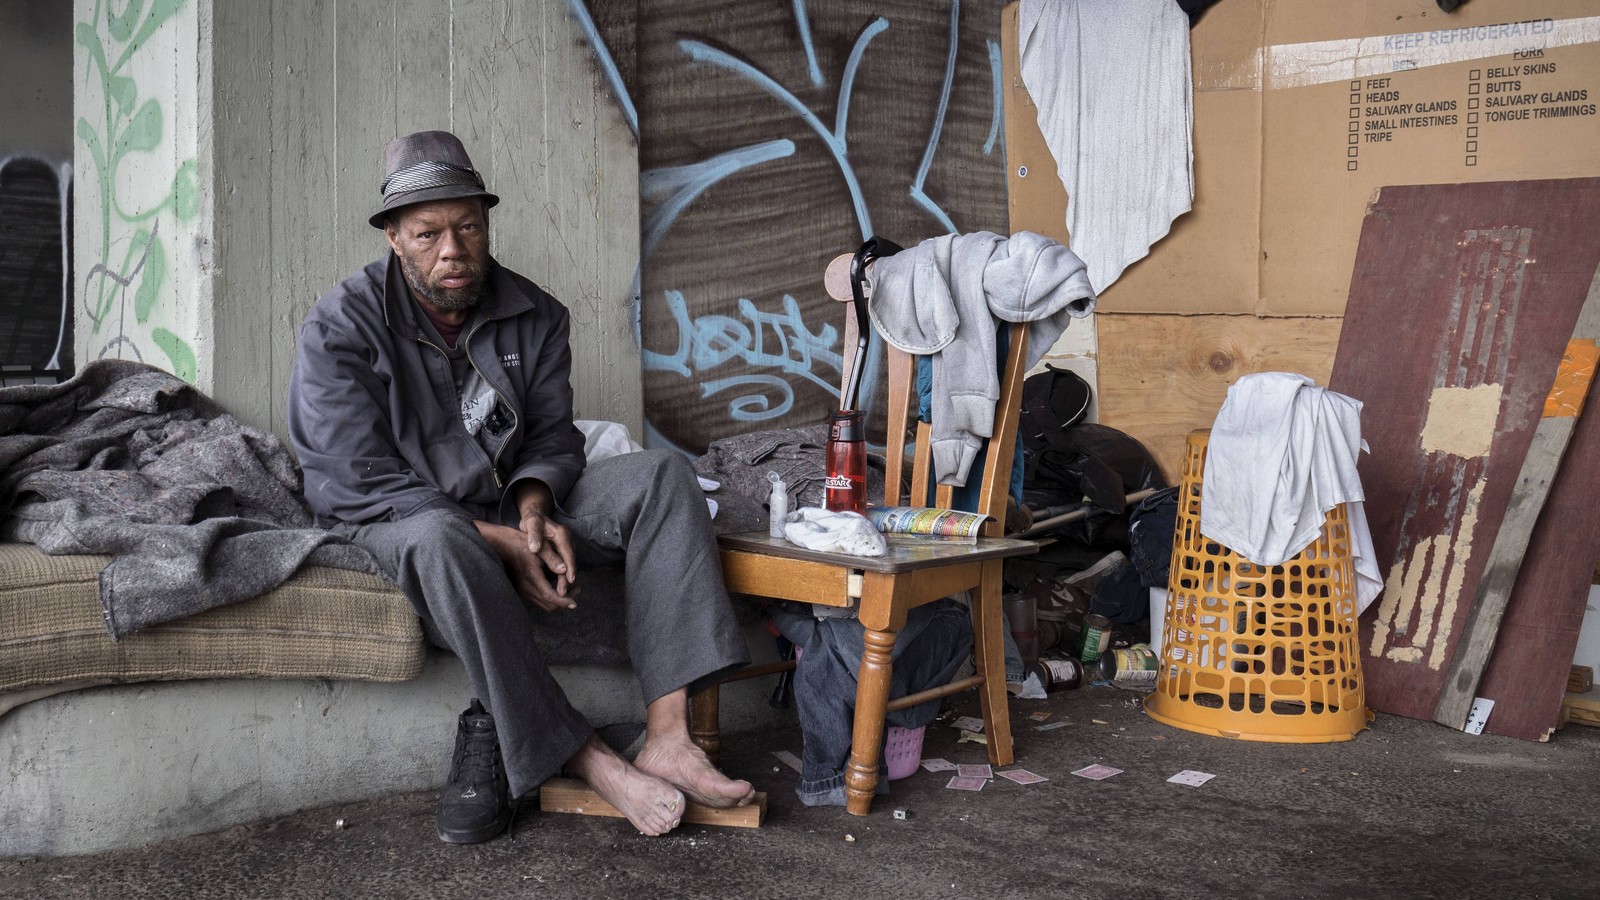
(475, 804)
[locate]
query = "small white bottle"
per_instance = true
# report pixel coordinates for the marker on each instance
(777, 505)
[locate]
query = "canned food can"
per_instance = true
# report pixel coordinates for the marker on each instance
(1132, 668)
(1095, 639)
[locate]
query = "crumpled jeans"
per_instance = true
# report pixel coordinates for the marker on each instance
(935, 642)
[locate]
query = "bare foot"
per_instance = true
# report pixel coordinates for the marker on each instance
(651, 804)
(678, 761)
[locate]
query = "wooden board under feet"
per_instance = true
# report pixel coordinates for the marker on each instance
(571, 795)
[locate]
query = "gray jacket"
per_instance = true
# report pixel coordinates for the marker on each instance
(942, 298)
(373, 412)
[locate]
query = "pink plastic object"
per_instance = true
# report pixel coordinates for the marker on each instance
(902, 751)
(902, 747)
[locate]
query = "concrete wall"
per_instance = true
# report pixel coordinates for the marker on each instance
(36, 61)
(274, 116)
(141, 247)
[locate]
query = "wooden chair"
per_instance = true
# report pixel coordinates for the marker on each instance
(885, 588)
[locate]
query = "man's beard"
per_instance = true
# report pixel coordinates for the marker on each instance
(446, 299)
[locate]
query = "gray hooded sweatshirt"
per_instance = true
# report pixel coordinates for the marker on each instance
(942, 297)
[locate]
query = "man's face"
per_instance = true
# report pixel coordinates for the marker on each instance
(444, 251)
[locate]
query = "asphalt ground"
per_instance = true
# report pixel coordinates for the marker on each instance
(1407, 809)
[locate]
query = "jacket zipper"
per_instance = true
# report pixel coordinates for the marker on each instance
(494, 464)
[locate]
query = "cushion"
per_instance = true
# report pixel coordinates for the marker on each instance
(322, 623)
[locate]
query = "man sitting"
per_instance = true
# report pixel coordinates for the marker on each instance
(431, 408)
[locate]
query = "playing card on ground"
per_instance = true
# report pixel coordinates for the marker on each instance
(968, 723)
(968, 771)
(1097, 772)
(1191, 778)
(938, 765)
(1022, 776)
(963, 783)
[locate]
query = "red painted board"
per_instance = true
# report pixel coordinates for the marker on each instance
(1461, 302)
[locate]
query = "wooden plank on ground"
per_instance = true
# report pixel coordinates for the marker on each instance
(1581, 710)
(1162, 376)
(1460, 305)
(1563, 405)
(571, 795)
(1581, 681)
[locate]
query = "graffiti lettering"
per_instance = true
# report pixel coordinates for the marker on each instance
(771, 340)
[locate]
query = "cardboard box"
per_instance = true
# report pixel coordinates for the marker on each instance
(1303, 109)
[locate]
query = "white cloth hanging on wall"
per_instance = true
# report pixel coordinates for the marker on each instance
(1112, 85)
(1282, 453)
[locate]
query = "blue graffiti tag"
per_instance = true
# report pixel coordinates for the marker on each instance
(999, 106)
(773, 340)
(916, 192)
(608, 65)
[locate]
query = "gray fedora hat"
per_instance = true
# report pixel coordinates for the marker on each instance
(427, 165)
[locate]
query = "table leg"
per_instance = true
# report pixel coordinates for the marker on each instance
(872, 700)
(989, 647)
(705, 727)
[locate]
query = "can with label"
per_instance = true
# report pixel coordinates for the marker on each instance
(1133, 668)
(1095, 639)
(1059, 674)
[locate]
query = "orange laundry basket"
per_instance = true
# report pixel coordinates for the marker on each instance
(1259, 653)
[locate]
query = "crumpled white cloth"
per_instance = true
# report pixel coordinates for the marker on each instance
(833, 532)
(1282, 453)
(603, 440)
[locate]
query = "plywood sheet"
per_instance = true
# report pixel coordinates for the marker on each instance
(1464, 289)
(1164, 376)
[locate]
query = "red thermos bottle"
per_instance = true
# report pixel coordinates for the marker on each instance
(846, 482)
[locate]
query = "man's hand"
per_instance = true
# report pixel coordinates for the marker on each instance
(543, 577)
(549, 543)
(538, 552)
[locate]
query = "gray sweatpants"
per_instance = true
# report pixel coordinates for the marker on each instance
(642, 511)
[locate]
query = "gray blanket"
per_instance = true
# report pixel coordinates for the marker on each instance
(198, 509)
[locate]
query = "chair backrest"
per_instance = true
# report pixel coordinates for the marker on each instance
(905, 430)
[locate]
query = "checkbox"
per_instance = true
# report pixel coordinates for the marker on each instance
(1355, 138)
(1350, 152)
(1474, 74)
(1472, 117)
(1472, 88)
(1472, 146)
(1355, 99)
(1354, 127)
(1350, 166)
(1472, 160)
(1355, 85)
(1355, 111)
(1472, 103)
(1473, 131)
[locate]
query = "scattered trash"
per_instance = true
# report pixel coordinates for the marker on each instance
(1100, 721)
(1478, 716)
(788, 759)
(1050, 727)
(973, 737)
(341, 824)
(1022, 776)
(1191, 778)
(777, 769)
(901, 814)
(964, 783)
(938, 765)
(1040, 716)
(850, 838)
(968, 723)
(1097, 772)
(1158, 737)
(975, 771)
